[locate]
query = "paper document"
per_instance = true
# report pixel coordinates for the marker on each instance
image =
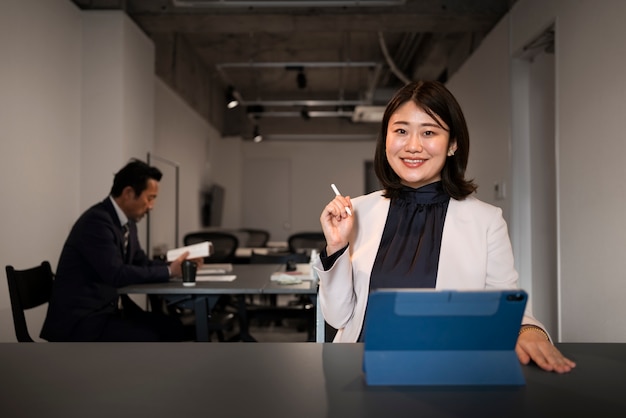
(287, 278)
(214, 268)
(200, 250)
(216, 278)
(302, 273)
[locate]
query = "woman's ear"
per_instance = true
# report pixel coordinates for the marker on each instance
(451, 149)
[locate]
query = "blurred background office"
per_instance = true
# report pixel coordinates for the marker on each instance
(543, 92)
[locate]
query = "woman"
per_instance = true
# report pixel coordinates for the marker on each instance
(424, 229)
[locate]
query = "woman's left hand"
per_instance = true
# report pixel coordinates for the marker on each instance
(532, 345)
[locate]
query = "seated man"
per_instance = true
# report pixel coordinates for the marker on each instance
(101, 254)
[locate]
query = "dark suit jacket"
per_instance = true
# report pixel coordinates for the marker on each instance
(90, 269)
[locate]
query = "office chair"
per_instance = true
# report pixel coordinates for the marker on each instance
(268, 310)
(304, 242)
(225, 245)
(286, 258)
(28, 289)
(304, 303)
(257, 238)
(278, 258)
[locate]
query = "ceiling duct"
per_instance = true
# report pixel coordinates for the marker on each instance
(368, 114)
(225, 4)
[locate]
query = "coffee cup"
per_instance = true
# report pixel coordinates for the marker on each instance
(189, 273)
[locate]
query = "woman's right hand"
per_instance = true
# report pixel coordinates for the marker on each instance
(336, 223)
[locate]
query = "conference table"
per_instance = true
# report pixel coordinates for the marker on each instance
(249, 279)
(281, 380)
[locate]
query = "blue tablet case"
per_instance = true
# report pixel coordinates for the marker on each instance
(432, 337)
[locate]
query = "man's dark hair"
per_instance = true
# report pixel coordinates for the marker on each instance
(135, 174)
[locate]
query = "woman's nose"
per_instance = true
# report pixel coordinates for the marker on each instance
(414, 144)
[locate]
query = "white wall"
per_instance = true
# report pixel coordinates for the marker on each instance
(313, 166)
(590, 96)
(482, 89)
(102, 107)
(590, 85)
(40, 109)
(117, 101)
(184, 138)
(79, 97)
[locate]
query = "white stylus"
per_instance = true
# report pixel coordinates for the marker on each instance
(339, 194)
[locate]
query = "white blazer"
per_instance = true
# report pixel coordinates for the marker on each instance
(475, 254)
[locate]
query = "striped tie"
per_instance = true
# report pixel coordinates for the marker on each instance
(126, 234)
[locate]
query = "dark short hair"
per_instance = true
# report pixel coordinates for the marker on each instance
(437, 101)
(135, 174)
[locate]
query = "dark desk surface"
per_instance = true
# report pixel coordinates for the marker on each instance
(280, 380)
(251, 279)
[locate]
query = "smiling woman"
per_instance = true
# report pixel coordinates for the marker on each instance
(424, 229)
(417, 145)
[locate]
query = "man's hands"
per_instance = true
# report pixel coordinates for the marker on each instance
(176, 265)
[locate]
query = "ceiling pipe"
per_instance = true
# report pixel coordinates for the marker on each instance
(392, 65)
(226, 4)
(369, 94)
(304, 103)
(297, 65)
(298, 114)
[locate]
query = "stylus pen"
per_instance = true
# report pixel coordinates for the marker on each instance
(339, 194)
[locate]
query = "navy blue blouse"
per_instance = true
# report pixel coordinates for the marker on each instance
(408, 255)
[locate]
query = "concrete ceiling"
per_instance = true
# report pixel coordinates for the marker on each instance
(301, 69)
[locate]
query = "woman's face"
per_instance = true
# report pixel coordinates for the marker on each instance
(417, 145)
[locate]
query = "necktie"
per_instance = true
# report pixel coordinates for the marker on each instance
(126, 234)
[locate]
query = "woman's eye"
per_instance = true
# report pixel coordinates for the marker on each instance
(400, 131)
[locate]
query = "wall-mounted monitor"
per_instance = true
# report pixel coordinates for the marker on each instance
(212, 206)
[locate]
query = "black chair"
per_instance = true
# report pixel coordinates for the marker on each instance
(289, 259)
(28, 289)
(278, 258)
(304, 242)
(223, 315)
(225, 245)
(257, 238)
(268, 310)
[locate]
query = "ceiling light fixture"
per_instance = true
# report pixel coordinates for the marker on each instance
(256, 135)
(231, 98)
(301, 79)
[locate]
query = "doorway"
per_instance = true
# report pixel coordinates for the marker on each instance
(534, 213)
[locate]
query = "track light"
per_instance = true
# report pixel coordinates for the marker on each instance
(256, 135)
(301, 79)
(231, 98)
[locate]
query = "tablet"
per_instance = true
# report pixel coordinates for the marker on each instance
(436, 337)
